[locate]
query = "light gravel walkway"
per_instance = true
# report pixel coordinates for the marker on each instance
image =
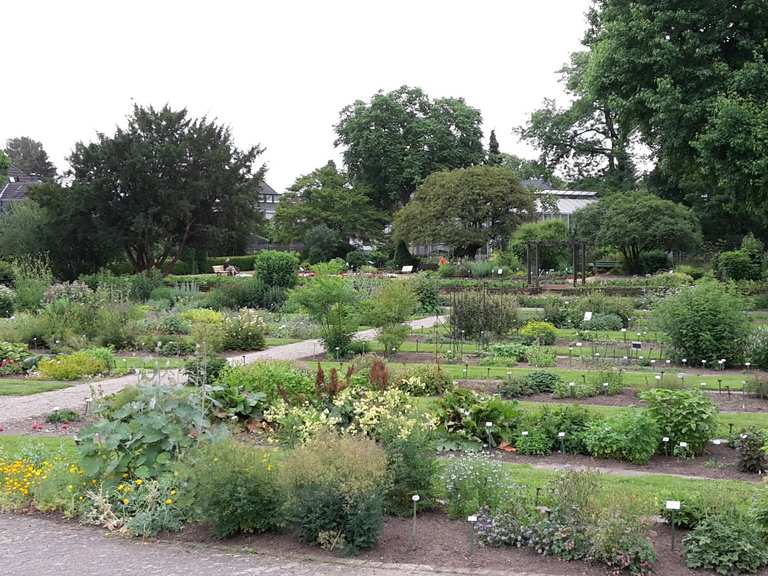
(45, 547)
(17, 408)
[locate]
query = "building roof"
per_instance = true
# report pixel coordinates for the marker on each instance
(18, 184)
(568, 201)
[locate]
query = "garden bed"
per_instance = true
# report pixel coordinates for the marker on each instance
(444, 544)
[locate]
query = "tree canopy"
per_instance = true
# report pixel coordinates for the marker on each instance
(167, 182)
(692, 77)
(585, 141)
(325, 197)
(29, 156)
(398, 138)
(636, 222)
(465, 209)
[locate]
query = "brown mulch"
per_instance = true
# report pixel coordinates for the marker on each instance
(444, 544)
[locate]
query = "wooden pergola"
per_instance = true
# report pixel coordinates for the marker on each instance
(578, 254)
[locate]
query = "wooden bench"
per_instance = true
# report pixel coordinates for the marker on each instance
(218, 270)
(604, 265)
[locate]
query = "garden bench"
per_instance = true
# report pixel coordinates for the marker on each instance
(604, 265)
(218, 270)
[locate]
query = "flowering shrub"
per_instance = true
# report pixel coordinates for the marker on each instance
(72, 291)
(7, 301)
(476, 481)
(298, 424)
(422, 380)
(244, 330)
(61, 488)
(18, 477)
(202, 316)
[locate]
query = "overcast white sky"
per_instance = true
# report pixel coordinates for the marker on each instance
(277, 72)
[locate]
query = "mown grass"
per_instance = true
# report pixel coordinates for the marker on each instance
(22, 387)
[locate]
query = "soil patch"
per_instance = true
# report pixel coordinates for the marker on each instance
(444, 544)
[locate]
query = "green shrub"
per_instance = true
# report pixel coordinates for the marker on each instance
(244, 390)
(632, 436)
(599, 303)
(603, 322)
(237, 293)
(337, 331)
(336, 485)
(572, 420)
(513, 350)
(541, 357)
(77, 365)
(752, 457)
(7, 302)
(427, 291)
(332, 267)
(728, 543)
(476, 481)
(12, 358)
(542, 333)
(277, 268)
(684, 416)
(479, 313)
(705, 322)
(174, 324)
(433, 379)
(7, 274)
(141, 285)
(244, 330)
(620, 540)
(203, 370)
(555, 311)
(235, 488)
(533, 442)
(392, 336)
(756, 350)
(462, 413)
(737, 265)
(320, 295)
(412, 468)
(536, 382)
(144, 435)
(654, 260)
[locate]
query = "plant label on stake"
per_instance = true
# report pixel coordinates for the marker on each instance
(673, 506)
(415, 498)
(471, 520)
(561, 435)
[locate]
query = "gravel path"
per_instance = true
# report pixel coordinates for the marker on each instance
(45, 547)
(17, 408)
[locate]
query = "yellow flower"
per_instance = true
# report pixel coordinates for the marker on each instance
(139, 482)
(168, 501)
(173, 492)
(125, 501)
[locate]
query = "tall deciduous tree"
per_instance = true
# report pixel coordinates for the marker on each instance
(29, 156)
(585, 141)
(636, 222)
(326, 197)
(465, 209)
(398, 138)
(693, 77)
(166, 182)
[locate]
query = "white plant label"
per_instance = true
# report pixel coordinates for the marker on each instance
(587, 316)
(524, 432)
(665, 439)
(472, 518)
(683, 444)
(561, 434)
(672, 505)
(415, 498)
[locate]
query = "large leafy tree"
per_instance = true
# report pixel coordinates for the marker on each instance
(29, 156)
(636, 222)
(167, 182)
(586, 141)
(398, 138)
(73, 233)
(494, 153)
(465, 209)
(692, 76)
(326, 197)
